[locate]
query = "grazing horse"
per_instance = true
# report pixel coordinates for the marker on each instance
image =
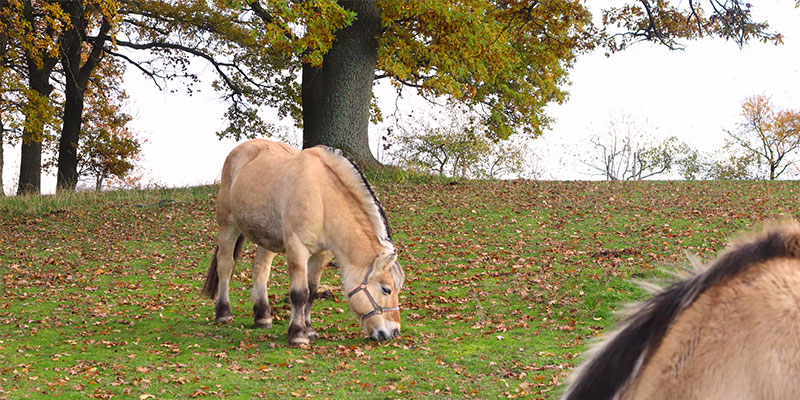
(731, 331)
(311, 205)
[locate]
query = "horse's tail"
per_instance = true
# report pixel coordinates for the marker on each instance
(613, 365)
(212, 277)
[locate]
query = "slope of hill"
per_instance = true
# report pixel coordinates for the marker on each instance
(506, 283)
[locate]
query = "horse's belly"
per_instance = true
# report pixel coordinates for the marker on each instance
(265, 231)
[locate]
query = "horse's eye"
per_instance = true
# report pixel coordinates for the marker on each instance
(386, 290)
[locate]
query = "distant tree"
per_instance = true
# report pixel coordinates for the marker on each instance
(509, 159)
(456, 145)
(108, 147)
(772, 135)
(732, 165)
(107, 153)
(727, 163)
(626, 152)
(692, 165)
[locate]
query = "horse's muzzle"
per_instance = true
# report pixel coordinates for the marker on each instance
(382, 334)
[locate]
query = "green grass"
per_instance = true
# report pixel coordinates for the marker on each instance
(506, 284)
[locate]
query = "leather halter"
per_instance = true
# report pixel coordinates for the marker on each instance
(376, 309)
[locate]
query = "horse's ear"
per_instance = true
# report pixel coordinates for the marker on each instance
(385, 260)
(398, 274)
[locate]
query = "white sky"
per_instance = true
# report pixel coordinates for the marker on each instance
(693, 94)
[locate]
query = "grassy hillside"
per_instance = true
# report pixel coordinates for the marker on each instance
(506, 282)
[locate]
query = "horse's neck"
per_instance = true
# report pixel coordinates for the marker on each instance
(355, 255)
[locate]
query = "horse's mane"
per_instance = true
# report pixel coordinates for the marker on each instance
(615, 362)
(353, 178)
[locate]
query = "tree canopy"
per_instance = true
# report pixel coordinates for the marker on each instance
(506, 60)
(316, 61)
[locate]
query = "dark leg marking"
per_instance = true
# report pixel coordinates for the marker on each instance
(297, 328)
(299, 298)
(312, 294)
(262, 312)
(223, 312)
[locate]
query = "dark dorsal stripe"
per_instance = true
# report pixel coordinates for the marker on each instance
(610, 370)
(382, 213)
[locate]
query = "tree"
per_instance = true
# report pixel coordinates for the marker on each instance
(107, 151)
(625, 152)
(771, 135)
(78, 64)
(63, 43)
(30, 33)
(455, 144)
(727, 163)
(3, 50)
(107, 148)
(506, 60)
(503, 60)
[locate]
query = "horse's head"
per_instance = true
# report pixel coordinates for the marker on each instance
(375, 300)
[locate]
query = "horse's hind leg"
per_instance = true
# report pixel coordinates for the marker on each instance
(262, 312)
(316, 264)
(230, 244)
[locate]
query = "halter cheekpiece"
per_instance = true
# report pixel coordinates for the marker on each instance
(376, 309)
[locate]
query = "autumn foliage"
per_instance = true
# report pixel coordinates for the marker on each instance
(770, 134)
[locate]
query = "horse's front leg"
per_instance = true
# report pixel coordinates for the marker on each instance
(316, 264)
(297, 259)
(262, 312)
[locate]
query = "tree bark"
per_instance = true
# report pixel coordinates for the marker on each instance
(312, 95)
(339, 117)
(67, 176)
(77, 79)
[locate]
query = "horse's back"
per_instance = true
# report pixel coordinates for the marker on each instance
(251, 150)
(739, 340)
(263, 179)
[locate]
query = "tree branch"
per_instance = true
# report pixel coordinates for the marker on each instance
(237, 90)
(150, 74)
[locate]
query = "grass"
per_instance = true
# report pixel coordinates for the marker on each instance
(506, 284)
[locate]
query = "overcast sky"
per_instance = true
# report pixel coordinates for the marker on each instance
(693, 94)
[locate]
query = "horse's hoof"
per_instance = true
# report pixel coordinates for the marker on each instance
(313, 335)
(222, 312)
(263, 324)
(299, 341)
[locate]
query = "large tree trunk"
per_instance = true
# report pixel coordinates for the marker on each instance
(30, 165)
(340, 117)
(77, 79)
(67, 176)
(2, 139)
(312, 96)
(3, 43)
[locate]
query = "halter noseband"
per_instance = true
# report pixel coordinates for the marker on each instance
(376, 309)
